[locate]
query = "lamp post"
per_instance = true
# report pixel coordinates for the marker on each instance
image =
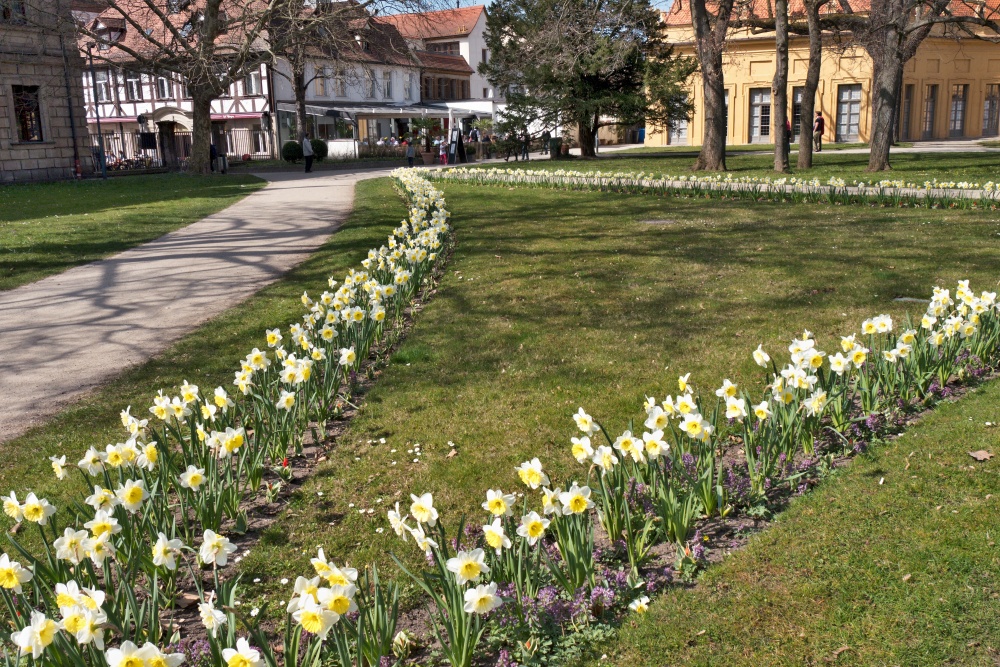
(97, 111)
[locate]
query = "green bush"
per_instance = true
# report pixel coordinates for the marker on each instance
(291, 151)
(320, 149)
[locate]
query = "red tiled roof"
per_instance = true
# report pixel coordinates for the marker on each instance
(435, 25)
(443, 61)
(679, 13)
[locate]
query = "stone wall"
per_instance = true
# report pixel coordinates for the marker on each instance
(31, 55)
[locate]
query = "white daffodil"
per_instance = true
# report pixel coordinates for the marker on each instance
(468, 566)
(132, 494)
(576, 500)
(495, 537)
(531, 474)
(36, 636)
(482, 599)
(166, 551)
(582, 449)
(70, 547)
(215, 549)
(12, 575)
(499, 504)
(213, 619)
(242, 655)
(422, 509)
(192, 478)
(532, 527)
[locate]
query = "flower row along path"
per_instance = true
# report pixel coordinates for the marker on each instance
(67, 334)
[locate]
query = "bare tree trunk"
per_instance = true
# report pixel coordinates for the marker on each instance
(812, 83)
(711, 27)
(886, 75)
(299, 90)
(201, 135)
(588, 136)
(713, 146)
(779, 87)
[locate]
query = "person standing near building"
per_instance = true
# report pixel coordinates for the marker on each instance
(819, 126)
(546, 138)
(307, 152)
(411, 153)
(525, 144)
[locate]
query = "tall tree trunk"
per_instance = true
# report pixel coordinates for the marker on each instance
(711, 27)
(779, 87)
(299, 90)
(808, 110)
(886, 75)
(588, 135)
(201, 132)
(713, 146)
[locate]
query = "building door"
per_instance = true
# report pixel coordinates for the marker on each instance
(760, 115)
(991, 111)
(848, 112)
(906, 112)
(956, 116)
(797, 94)
(930, 109)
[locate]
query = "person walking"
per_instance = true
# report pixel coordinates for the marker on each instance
(819, 126)
(525, 145)
(546, 138)
(411, 152)
(788, 138)
(487, 145)
(307, 152)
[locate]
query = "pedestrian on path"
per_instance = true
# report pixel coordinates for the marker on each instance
(307, 152)
(818, 128)
(411, 153)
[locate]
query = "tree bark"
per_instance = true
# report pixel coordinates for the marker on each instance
(588, 134)
(710, 30)
(779, 87)
(887, 72)
(201, 132)
(299, 90)
(713, 147)
(808, 110)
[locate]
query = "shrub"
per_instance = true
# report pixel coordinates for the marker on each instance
(291, 151)
(320, 149)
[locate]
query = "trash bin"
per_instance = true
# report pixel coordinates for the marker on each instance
(554, 145)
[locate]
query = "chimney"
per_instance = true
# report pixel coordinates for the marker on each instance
(458, 4)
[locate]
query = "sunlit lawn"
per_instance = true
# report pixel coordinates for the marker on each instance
(910, 167)
(555, 300)
(46, 228)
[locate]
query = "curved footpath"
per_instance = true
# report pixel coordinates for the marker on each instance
(67, 334)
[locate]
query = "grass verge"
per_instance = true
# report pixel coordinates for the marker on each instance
(893, 561)
(46, 228)
(555, 300)
(909, 167)
(206, 357)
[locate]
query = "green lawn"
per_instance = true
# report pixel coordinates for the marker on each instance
(738, 148)
(902, 572)
(555, 300)
(910, 167)
(46, 228)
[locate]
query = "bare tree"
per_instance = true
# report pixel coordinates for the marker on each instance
(711, 28)
(815, 32)
(307, 40)
(209, 43)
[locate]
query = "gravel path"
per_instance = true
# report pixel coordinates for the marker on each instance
(67, 334)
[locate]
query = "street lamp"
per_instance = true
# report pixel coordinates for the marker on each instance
(97, 111)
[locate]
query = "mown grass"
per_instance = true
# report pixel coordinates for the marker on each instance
(894, 561)
(206, 357)
(46, 228)
(555, 300)
(909, 167)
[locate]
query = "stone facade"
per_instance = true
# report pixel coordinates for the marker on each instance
(43, 125)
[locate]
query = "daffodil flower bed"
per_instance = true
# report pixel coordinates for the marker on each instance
(556, 563)
(891, 193)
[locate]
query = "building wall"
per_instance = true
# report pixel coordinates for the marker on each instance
(355, 84)
(31, 56)
(471, 48)
(749, 67)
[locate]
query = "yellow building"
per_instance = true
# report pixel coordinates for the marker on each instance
(951, 89)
